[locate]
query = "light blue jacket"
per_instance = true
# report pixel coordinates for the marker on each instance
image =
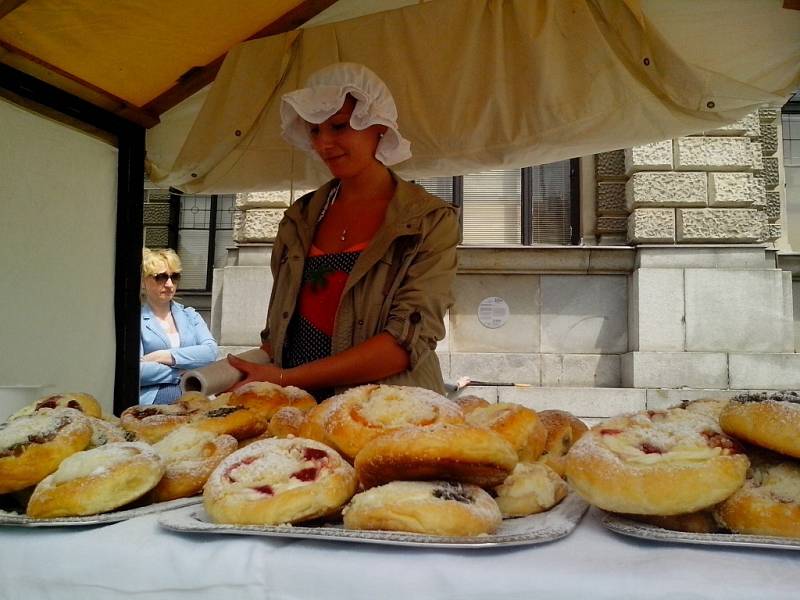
(197, 348)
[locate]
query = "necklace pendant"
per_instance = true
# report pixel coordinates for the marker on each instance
(344, 234)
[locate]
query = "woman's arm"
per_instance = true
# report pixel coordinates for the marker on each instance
(373, 359)
(200, 354)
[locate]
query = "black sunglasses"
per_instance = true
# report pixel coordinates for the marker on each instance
(162, 277)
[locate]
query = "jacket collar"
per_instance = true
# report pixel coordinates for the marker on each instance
(403, 215)
(151, 323)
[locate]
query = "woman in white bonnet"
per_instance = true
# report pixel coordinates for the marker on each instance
(363, 266)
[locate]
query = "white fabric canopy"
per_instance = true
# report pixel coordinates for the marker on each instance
(483, 84)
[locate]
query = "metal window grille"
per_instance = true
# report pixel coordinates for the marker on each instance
(204, 230)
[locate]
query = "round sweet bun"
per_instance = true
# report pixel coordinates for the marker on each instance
(470, 402)
(286, 421)
(263, 398)
(97, 481)
(313, 426)
(276, 481)
(153, 422)
(426, 507)
(656, 463)
(768, 503)
(32, 447)
(448, 452)
(238, 421)
(189, 455)
(531, 488)
(701, 521)
(86, 403)
(104, 432)
(368, 411)
(563, 430)
(770, 421)
(517, 424)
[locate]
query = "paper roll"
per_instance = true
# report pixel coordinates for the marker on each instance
(219, 376)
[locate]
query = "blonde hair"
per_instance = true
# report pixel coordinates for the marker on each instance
(153, 261)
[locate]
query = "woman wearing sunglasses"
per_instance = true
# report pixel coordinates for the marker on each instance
(173, 337)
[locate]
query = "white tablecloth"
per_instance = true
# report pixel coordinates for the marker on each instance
(136, 559)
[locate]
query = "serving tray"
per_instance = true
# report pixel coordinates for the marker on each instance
(646, 531)
(22, 520)
(556, 523)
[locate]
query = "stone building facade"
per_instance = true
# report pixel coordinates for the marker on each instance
(676, 292)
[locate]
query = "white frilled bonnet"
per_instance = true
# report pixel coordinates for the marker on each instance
(325, 94)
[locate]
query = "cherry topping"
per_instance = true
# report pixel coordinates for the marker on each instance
(73, 404)
(48, 403)
(715, 439)
(314, 454)
(265, 489)
(308, 474)
(232, 468)
(650, 449)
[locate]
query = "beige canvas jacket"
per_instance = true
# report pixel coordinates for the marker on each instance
(400, 284)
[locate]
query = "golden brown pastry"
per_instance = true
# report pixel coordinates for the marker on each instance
(104, 432)
(701, 521)
(563, 430)
(266, 398)
(470, 402)
(189, 455)
(770, 421)
(446, 452)
(368, 411)
(238, 421)
(426, 507)
(516, 423)
(769, 501)
(85, 403)
(286, 422)
(153, 422)
(275, 481)
(97, 481)
(657, 463)
(32, 447)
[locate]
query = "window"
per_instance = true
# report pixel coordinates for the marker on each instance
(790, 121)
(204, 231)
(529, 206)
(199, 228)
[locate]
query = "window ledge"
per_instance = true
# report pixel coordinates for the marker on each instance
(547, 259)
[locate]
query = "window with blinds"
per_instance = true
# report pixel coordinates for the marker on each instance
(533, 205)
(205, 230)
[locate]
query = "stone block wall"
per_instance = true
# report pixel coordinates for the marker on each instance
(259, 213)
(719, 186)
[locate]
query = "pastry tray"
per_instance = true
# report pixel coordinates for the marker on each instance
(556, 523)
(22, 520)
(654, 533)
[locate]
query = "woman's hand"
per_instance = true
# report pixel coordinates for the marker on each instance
(255, 372)
(159, 356)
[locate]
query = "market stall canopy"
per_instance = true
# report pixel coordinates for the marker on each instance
(484, 84)
(479, 83)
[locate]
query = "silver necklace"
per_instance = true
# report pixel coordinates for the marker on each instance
(333, 194)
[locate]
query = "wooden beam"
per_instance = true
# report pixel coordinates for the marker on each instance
(44, 71)
(6, 6)
(791, 4)
(197, 78)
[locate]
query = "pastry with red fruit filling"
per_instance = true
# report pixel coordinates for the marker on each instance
(97, 481)
(426, 507)
(265, 398)
(275, 481)
(768, 420)
(769, 501)
(656, 463)
(32, 446)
